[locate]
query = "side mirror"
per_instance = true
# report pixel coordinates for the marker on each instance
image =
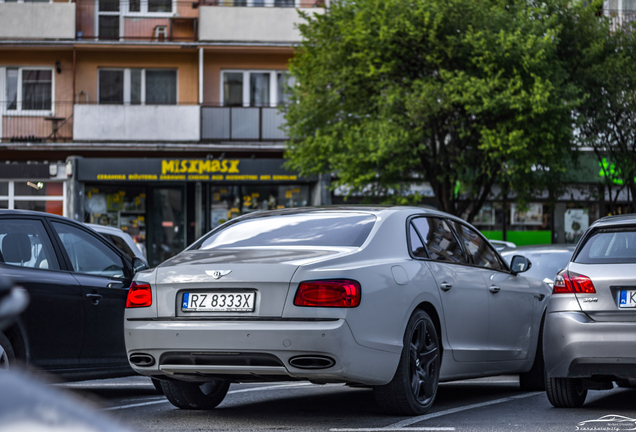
(139, 265)
(520, 264)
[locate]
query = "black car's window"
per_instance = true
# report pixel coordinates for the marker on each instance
(439, 239)
(121, 244)
(481, 253)
(417, 247)
(307, 229)
(87, 253)
(609, 246)
(25, 243)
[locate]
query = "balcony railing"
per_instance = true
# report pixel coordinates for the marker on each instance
(36, 20)
(242, 124)
(620, 17)
(44, 121)
(137, 20)
(157, 20)
(36, 121)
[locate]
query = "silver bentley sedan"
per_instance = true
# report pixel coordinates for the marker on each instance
(393, 298)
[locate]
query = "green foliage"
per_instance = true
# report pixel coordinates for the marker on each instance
(450, 92)
(607, 118)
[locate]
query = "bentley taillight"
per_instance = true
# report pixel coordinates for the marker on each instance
(339, 293)
(139, 295)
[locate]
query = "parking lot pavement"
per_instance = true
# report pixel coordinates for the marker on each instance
(486, 404)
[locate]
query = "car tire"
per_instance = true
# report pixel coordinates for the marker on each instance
(7, 353)
(157, 383)
(534, 379)
(413, 388)
(565, 392)
(198, 396)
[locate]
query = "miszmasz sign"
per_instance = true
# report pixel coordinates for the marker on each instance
(225, 170)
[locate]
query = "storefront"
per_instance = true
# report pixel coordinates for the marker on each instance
(167, 204)
(33, 186)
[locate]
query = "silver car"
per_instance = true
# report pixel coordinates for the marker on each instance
(590, 326)
(397, 299)
(547, 260)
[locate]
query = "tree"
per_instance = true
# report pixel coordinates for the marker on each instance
(462, 94)
(607, 118)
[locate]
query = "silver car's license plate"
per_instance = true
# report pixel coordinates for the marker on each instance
(628, 299)
(218, 302)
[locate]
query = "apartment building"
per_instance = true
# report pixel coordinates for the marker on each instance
(159, 117)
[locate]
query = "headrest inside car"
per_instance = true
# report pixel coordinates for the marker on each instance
(16, 247)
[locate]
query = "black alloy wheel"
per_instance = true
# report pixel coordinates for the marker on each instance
(423, 362)
(413, 389)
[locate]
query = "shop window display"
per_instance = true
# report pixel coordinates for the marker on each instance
(120, 208)
(231, 201)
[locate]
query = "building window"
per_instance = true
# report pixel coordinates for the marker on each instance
(110, 12)
(255, 88)
(152, 6)
(267, 3)
(34, 195)
(29, 89)
(137, 86)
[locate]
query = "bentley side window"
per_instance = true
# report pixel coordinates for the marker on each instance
(480, 251)
(441, 243)
(417, 247)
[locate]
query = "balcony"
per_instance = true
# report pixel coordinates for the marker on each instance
(36, 121)
(154, 123)
(37, 21)
(276, 22)
(57, 122)
(242, 124)
(137, 21)
(620, 17)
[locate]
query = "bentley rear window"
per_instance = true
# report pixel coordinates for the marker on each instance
(307, 229)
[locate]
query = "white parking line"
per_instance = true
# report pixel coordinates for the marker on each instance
(413, 420)
(77, 385)
(272, 387)
(231, 392)
(136, 405)
(394, 429)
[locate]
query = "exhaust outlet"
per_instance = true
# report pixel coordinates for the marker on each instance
(312, 362)
(142, 360)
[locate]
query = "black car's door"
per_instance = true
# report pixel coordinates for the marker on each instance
(53, 321)
(104, 276)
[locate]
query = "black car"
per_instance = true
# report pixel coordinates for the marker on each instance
(78, 284)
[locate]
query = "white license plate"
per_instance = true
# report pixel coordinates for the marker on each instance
(628, 299)
(218, 302)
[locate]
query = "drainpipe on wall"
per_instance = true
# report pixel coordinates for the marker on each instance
(74, 191)
(74, 52)
(200, 76)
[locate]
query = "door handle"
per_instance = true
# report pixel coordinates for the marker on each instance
(115, 285)
(94, 298)
(494, 289)
(445, 286)
(539, 297)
